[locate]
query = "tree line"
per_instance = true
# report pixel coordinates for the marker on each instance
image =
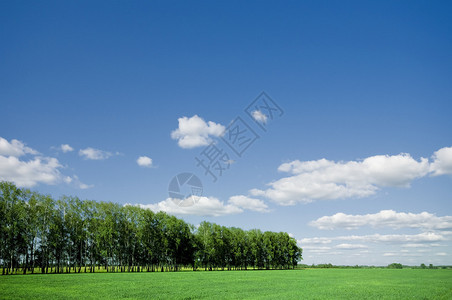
(390, 266)
(40, 234)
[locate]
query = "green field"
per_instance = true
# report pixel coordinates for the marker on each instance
(274, 284)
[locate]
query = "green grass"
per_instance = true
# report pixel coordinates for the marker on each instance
(274, 284)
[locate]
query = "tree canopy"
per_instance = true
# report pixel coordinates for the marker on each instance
(40, 234)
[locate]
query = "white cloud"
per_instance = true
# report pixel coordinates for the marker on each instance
(441, 254)
(318, 248)
(326, 180)
(195, 132)
(416, 245)
(421, 238)
(207, 206)
(422, 250)
(315, 240)
(77, 183)
(28, 173)
(384, 218)
(144, 161)
(248, 203)
(66, 148)
(203, 206)
(31, 172)
(442, 162)
(426, 237)
(94, 154)
(14, 148)
(259, 116)
(351, 246)
(84, 186)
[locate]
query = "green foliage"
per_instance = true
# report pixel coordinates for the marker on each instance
(324, 266)
(273, 284)
(395, 266)
(42, 235)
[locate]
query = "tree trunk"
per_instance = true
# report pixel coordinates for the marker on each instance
(26, 264)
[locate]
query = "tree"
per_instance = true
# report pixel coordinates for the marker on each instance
(12, 230)
(204, 244)
(395, 266)
(37, 231)
(57, 237)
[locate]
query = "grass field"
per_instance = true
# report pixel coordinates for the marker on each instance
(274, 284)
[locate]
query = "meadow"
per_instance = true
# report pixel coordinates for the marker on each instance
(268, 284)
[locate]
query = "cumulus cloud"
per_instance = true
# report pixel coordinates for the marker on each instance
(26, 173)
(398, 254)
(84, 186)
(94, 154)
(315, 240)
(144, 161)
(420, 245)
(195, 132)
(248, 203)
(75, 181)
(351, 246)
(207, 206)
(397, 244)
(421, 238)
(400, 245)
(442, 162)
(384, 218)
(426, 237)
(15, 148)
(259, 116)
(32, 171)
(202, 206)
(66, 148)
(324, 179)
(317, 249)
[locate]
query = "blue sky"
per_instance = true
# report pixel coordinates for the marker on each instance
(358, 167)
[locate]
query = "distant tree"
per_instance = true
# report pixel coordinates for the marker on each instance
(423, 266)
(395, 266)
